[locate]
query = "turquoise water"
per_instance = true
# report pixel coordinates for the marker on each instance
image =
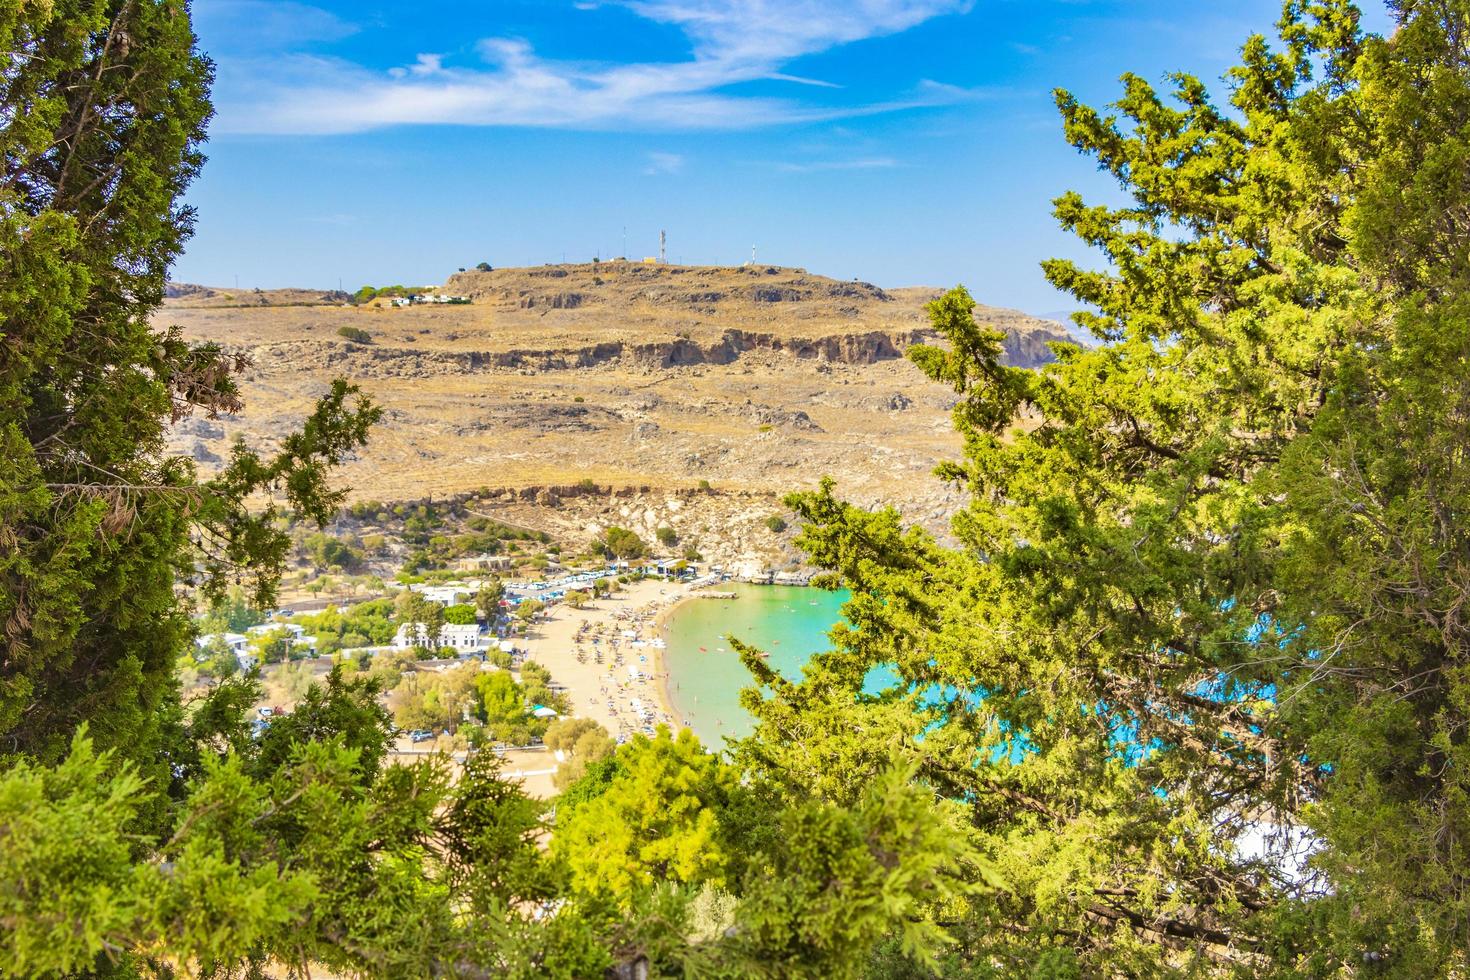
(705, 674)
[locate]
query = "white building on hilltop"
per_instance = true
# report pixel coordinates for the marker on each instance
(451, 636)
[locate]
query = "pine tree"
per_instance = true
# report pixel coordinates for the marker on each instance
(1211, 582)
(103, 105)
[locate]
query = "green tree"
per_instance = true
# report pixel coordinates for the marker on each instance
(273, 647)
(621, 544)
(659, 820)
(489, 597)
(217, 659)
(461, 615)
(232, 614)
(426, 617)
(499, 698)
(667, 536)
(1206, 592)
(98, 518)
(583, 742)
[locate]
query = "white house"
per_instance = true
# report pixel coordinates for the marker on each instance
(239, 645)
(296, 630)
(445, 595)
(452, 636)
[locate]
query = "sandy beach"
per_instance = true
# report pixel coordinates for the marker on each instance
(609, 655)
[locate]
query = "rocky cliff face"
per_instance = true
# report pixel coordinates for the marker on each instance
(751, 380)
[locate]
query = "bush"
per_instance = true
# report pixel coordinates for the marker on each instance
(704, 485)
(461, 615)
(622, 544)
(776, 523)
(355, 334)
(666, 536)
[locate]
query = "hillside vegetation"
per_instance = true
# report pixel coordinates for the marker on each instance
(756, 379)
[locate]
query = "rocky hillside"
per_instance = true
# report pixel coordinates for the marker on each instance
(754, 380)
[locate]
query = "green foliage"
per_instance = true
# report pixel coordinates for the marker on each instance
(426, 617)
(216, 659)
(461, 615)
(355, 334)
(583, 741)
(273, 646)
(96, 518)
(499, 699)
(621, 544)
(1206, 589)
(328, 551)
(775, 523)
(658, 820)
(231, 613)
(365, 624)
(667, 536)
(435, 701)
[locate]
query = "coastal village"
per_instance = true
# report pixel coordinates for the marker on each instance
(574, 648)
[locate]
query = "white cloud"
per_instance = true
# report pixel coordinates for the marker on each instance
(733, 41)
(663, 164)
(817, 166)
(245, 25)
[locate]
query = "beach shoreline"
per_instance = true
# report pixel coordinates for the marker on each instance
(665, 675)
(589, 650)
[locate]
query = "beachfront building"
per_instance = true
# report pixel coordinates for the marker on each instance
(452, 636)
(484, 563)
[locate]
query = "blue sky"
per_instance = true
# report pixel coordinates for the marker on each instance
(902, 142)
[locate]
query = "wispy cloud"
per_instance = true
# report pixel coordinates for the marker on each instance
(799, 80)
(663, 164)
(255, 25)
(817, 166)
(733, 41)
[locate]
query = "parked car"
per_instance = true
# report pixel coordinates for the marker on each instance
(267, 712)
(419, 735)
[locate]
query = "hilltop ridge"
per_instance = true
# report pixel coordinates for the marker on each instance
(758, 380)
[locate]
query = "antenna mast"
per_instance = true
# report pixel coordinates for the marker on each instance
(663, 248)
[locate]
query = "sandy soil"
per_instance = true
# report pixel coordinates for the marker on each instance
(569, 643)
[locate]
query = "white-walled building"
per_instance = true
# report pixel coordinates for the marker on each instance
(445, 595)
(239, 645)
(452, 636)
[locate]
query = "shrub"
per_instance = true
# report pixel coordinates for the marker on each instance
(704, 485)
(355, 334)
(776, 523)
(666, 536)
